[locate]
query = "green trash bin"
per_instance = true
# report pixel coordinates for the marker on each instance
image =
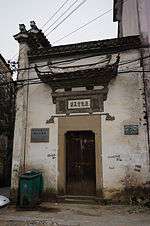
(30, 188)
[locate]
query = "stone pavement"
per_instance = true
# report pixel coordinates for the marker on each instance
(60, 214)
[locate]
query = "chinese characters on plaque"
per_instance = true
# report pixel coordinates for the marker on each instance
(76, 104)
(85, 104)
(39, 135)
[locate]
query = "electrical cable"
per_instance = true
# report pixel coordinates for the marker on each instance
(67, 17)
(74, 30)
(34, 79)
(47, 22)
(59, 17)
(86, 24)
(51, 65)
(62, 15)
(65, 2)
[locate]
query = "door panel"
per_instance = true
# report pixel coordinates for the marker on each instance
(80, 163)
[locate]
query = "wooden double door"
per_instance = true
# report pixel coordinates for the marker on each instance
(80, 163)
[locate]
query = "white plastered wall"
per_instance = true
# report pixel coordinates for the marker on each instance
(130, 18)
(136, 18)
(121, 154)
(43, 155)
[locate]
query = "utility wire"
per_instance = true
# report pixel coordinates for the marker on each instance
(65, 2)
(67, 17)
(37, 80)
(72, 31)
(62, 15)
(79, 58)
(92, 55)
(120, 71)
(59, 18)
(58, 62)
(47, 22)
(86, 24)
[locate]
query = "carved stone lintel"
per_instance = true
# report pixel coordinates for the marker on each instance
(88, 101)
(83, 94)
(51, 119)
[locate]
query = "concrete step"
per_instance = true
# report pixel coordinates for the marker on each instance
(80, 199)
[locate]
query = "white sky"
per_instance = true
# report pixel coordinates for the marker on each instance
(15, 12)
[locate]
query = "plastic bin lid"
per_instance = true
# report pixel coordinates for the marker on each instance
(31, 174)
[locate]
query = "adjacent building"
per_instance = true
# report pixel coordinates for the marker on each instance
(80, 115)
(6, 121)
(134, 19)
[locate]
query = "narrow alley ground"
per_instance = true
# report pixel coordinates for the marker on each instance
(58, 214)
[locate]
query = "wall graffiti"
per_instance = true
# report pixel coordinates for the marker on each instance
(135, 161)
(51, 155)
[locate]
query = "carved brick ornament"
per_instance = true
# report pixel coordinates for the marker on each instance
(79, 102)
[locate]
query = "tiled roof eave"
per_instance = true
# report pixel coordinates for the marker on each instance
(100, 47)
(100, 51)
(94, 76)
(64, 54)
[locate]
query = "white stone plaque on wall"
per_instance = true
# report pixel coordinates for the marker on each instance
(79, 104)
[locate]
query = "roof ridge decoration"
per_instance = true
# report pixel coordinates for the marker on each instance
(34, 37)
(22, 28)
(40, 47)
(33, 25)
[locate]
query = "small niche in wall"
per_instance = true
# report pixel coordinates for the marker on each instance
(39, 135)
(131, 130)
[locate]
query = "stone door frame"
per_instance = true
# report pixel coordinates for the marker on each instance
(79, 123)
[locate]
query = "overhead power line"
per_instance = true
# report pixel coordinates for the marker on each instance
(62, 15)
(72, 31)
(65, 2)
(91, 21)
(67, 17)
(77, 59)
(59, 18)
(86, 24)
(37, 80)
